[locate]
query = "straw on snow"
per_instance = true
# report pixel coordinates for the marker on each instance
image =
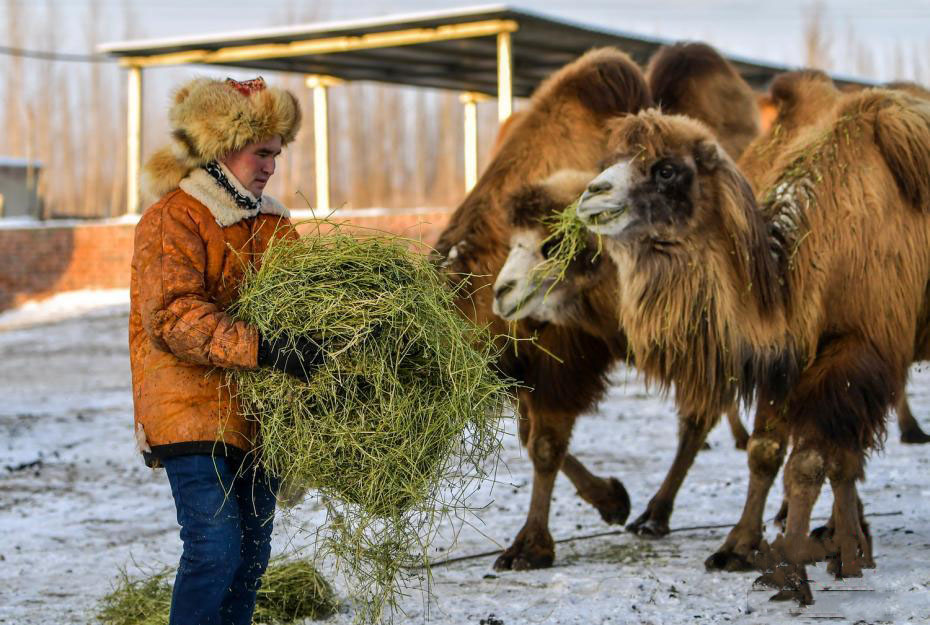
(399, 419)
(292, 590)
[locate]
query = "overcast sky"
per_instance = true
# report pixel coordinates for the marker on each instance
(763, 29)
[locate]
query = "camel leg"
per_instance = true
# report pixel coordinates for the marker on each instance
(692, 432)
(740, 435)
(911, 433)
(781, 515)
(784, 562)
(547, 442)
(607, 495)
(765, 454)
(850, 539)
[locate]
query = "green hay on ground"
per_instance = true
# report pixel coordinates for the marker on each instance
(292, 590)
(400, 419)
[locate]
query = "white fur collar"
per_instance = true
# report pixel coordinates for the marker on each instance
(203, 188)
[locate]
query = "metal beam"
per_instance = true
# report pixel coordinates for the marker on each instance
(133, 138)
(320, 84)
(328, 45)
(504, 75)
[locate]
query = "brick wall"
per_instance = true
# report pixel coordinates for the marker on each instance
(40, 261)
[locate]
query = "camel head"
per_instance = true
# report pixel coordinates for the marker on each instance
(672, 192)
(674, 196)
(657, 189)
(528, 285)
(698, 285)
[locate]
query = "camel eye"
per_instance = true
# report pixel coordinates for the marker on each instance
(548, 247)
(665, 172)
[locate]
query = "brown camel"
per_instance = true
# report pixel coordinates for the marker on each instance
(565, 126)
(800, 100)
(584, 301)
(812, 303)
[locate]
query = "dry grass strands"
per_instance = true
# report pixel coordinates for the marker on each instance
(292, 590)
(567, 240)
(396, 424)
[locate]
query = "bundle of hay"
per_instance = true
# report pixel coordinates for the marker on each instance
(568, 237)
(292, 590)
(398, 420)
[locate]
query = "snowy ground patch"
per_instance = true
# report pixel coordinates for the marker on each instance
(63, 306)
(76, 504)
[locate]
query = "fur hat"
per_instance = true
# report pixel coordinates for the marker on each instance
(211, 118)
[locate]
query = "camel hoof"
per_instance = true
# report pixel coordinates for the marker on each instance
(617, 509)
(516, 558)
(914, 437)
(802, 596)
(645, 525)
(822, 533)
(729, 561)
(838, 570)
(790, 583)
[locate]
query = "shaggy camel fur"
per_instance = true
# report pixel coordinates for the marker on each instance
(802, 99)
(584, 300)
(812, 302)
(565, 126)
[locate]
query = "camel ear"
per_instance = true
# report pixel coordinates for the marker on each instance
(707, 155)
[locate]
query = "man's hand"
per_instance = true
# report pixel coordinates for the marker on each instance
(293, 355)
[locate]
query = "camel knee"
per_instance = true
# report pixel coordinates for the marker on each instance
(765, 455)
(845, 465)
(547, 452)
(806, 468)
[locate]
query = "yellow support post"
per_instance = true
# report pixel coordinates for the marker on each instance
(504, 76)
(470, 99)
(320, 84)
(133, 139)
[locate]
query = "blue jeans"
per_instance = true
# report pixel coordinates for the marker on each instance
(225, 524)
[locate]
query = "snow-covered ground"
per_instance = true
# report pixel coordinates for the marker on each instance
(77, 504)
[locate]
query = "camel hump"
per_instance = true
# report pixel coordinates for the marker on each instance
(673, 66)
(790, 88)
(605, 80)
(916, 90)
(902, 134)
(693, 79)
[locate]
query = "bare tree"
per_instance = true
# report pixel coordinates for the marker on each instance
(817, 39)
(13, 117)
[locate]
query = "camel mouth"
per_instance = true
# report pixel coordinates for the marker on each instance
(519, 309)
(521, 303)
(607, 216)
(603, 218)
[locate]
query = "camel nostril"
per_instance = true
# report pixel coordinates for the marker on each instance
(504, 289)
(601, 186)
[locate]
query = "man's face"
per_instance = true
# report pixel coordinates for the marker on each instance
(254, 164)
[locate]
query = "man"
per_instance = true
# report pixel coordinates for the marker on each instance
(192, 248)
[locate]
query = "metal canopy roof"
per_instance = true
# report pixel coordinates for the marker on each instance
(540, 46)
